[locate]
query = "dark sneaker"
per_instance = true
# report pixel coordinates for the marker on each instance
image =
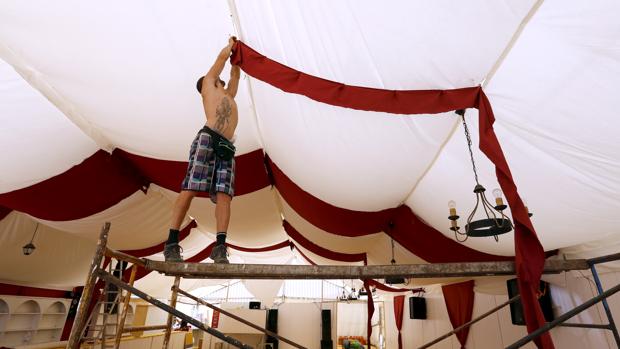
(172, 253)
(219, 254)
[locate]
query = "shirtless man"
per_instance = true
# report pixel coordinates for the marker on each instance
(211, 159)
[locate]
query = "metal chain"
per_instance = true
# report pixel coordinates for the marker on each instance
(471, 154)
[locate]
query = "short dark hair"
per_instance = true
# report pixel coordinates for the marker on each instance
(199, 84)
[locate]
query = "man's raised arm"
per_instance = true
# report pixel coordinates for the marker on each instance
(218, 66)
(233, 83)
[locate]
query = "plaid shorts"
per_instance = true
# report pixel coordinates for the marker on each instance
(206, 172)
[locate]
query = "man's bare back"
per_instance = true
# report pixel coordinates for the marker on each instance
(220, 110)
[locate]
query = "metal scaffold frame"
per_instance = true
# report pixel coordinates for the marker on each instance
(97, 275)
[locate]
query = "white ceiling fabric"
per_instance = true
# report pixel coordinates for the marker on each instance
(76, 78)
(25, 115)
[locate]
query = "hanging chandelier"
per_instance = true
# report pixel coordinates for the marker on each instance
(495, 222)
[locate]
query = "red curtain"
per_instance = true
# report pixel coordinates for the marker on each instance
(529, 254)
(459, 300)
(399, 303)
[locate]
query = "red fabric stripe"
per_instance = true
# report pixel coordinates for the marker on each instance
(529, 251)
(459, 300)
(143, 252)
(205, 253)
(102, 180)
(399, 303)
(251, 174)
(419, 238)
(277, 246)
(370, 305)
(323, 252)
(386, 288)
(4, 212)
(354, 97)
(27, 291)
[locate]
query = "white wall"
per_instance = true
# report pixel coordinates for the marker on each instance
(496, 331)
(301, 323)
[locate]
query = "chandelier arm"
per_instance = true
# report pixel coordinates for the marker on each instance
(456, 236)
(487, 205)
(471, 215)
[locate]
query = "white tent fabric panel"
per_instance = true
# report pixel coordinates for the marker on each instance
(395, 46)
(139, 221)
(60, 260)
(148, 68)
(379, 159)
(255, 219)
(36, 139)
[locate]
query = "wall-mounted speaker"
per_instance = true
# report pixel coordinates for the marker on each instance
(417, 308)
(516, 308)
(254, 305)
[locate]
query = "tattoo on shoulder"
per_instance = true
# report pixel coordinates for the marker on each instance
(222, 115)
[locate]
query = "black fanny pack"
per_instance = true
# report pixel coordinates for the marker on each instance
(222, 147)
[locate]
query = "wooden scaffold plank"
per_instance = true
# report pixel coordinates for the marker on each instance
(268, 271)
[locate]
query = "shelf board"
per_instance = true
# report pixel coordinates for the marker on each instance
(49, 328)
(19, 330)
(26, 314)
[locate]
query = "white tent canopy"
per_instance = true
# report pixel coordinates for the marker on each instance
(76, 78)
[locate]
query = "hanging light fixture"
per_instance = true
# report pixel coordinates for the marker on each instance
(393, 279)
(29, 247)
(496, 222)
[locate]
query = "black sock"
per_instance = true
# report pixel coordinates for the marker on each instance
(173, 237)
(221, 238)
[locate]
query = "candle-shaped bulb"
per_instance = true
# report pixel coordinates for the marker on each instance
(497, 193)
(452, 206)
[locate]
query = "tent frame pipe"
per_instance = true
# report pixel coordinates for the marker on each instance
(119, 283)
(569, 314)
(235, 317)
(173, 304)
(599, 289)
(79, 324)
(466, 325)
(601, 297)
(262, 271)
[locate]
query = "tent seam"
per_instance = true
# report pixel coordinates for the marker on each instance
(515, 36)
(237, 26)
(34, 79)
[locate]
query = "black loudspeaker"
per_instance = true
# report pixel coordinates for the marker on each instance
(327, 344)
(326, 325)
(394, 280)
(516, 308)
(417, 308)
(254, 305)
(272, 325)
